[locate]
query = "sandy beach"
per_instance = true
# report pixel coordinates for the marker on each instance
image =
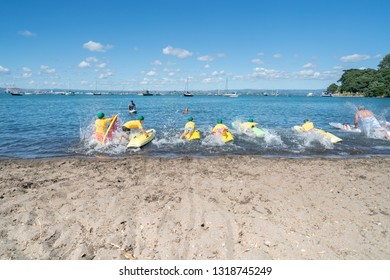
(195, 208)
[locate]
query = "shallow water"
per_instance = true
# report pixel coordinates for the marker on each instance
(36, 126)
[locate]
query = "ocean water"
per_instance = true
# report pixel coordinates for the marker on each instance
(44, 126)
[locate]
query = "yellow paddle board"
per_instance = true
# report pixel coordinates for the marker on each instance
(194, 136)
(226, 136)
(327, 135)
(141, 139)
(111, 128)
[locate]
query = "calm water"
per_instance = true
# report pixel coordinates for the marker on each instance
(36, 126)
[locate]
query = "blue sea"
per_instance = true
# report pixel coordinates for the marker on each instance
(48, 125)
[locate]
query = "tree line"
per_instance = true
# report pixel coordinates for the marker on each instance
(368, 82)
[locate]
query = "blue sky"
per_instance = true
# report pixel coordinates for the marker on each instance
(157, 45)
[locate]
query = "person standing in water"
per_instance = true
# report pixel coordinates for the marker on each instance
(189, 129)
(220, 128)
(132, 107)
(135, 124)
(100, 126)
(307, 125)
(248, 125)
(368, 123)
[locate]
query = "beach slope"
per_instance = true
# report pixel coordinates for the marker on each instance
(195, 208)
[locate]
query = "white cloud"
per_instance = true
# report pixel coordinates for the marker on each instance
(171, 63)
(268, 73)
(26, 69)
(47, 69)
(338, 67)
(151, 73)
(212, 80)
(26, 75)
(220, 55)
(84, 64)
(308, 74)
(277, 55)
(101, 65)
(260, 53)
(96, 47)
(105, 75)
(3, 70)
(309, 65)
(240, 78)
(378, 55)
(354, 58)
(180, 53)
(171, 72)
(205, 58)
(257, 61)
(207, 66)
(27, 33)
(156, 62)
(145, 81)
(218, 73)
(91, 59)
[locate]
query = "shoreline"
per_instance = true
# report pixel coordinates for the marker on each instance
(234, 207)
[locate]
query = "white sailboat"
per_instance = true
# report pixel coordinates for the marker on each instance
(186, 92)
(229, 94)
(96, 92)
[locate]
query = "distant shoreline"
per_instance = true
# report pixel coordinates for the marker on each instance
(349, 94)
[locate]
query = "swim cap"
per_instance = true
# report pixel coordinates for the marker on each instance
(250, 120)
(219, 120)
(141, 118)
(361, 108)
(100, 115)
(190, 119)
(305, 120)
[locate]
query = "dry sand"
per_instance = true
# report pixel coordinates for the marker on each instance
(193, 208)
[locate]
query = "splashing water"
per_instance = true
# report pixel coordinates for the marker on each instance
(43, 132)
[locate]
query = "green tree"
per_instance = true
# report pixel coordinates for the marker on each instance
(349, 80)
(385, 63)
(383, 75)
(332, 88)
(368, 81)
(365, 78)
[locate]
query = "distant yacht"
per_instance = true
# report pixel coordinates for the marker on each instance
(310, 94)
(147, 93)
(233, 94)
(326, 94)
(96, 92)
(186, 92)
(229, 94)
(14, 91)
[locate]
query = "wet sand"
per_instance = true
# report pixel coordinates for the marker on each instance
(195, 208)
